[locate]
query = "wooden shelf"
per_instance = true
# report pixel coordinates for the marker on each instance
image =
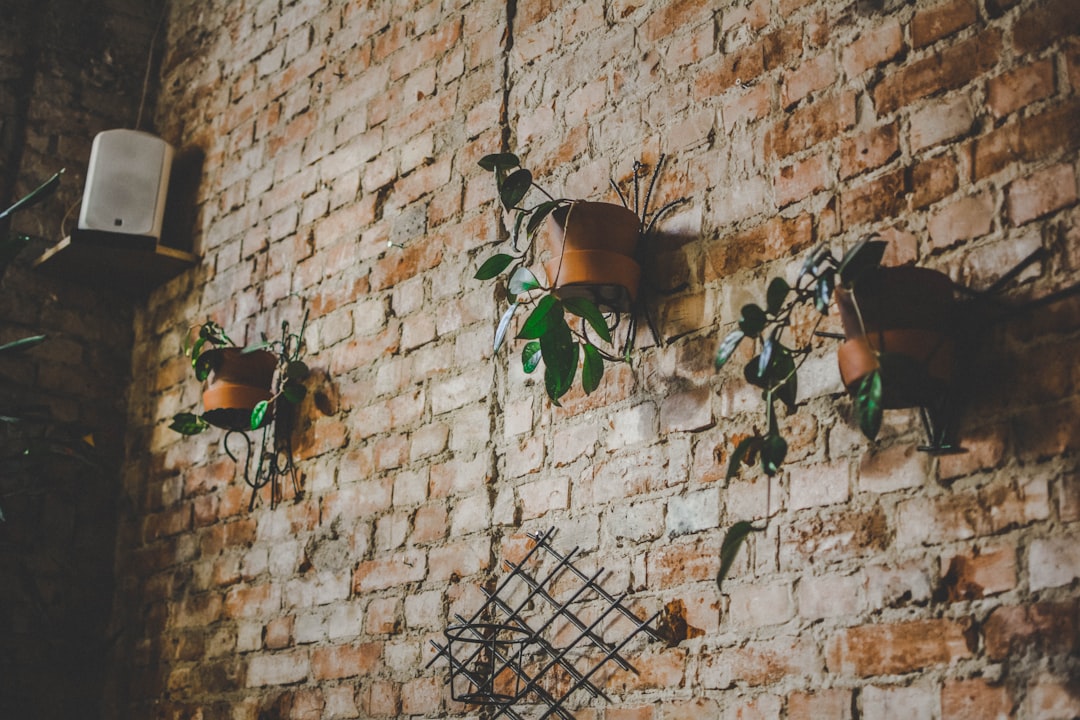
(132, 265)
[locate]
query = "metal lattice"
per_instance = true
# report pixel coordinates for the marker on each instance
(524, 646)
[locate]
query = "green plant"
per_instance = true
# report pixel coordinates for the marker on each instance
(774, 368)
(29, 437)
(560, 328)
(290, 375)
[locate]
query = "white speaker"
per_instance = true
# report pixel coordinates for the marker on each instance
(126, 184)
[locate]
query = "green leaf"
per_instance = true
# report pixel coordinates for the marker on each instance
(530, 356)
(727, 347)
(547, 313)
(864, 257)
(22, 344)
(539, 214)
(739, 454)
(560, 354)
(514, 188)
(196, 350)
(766, 356)
(258, 414)
(783, 366)
(188, 424)
(10, 247)
(518, 223)
(499, 161)
(823, 291)
(297, 370)
(776, 294)
(504, 323)
(592, 368)
(294, 391)
(868, 408)
(583, 307)
(773, 452)
(522, 281)
(42, 191)
(493, 266)
(729, 549)
(752, 373)
(204, 363)
(752, 320)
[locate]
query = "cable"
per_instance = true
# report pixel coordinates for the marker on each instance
(149, 63)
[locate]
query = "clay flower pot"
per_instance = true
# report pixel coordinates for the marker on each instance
(907, 311)
(592, 246)
(238, 382)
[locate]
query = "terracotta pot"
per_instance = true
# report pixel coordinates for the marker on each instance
(908, 311)
(238, 382)
(592, 246)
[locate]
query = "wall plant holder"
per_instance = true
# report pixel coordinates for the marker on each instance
(250, 389)
(525, 646)
(591, 255)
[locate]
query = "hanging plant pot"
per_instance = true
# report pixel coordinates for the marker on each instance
(900, 318)
(592, 246)
(237, 383)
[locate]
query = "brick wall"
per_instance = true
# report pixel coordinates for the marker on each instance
(887, 583)
(68, 69)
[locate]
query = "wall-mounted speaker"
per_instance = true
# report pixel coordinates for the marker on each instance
(126, 184)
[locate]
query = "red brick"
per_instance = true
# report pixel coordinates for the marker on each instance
(404, 567)
(933, 179)
(964, 219)
(782, 47)
(278, 633)
(746, 105)
(948, 69)
(460, 559)
(778, 237)
(975, 699)
(1030, 139)
(643, 712)
(760, 662)
(940, 122)
(675, 17)
(429, 524)
(740, 67)
(801, 179)
(846, 535)
(1040, 26)
(899, 648)
(696, 709)
(422, 696)
(1019, 88)
(940, 21)
(1048, 628)
(383, 699)
(874, 200)
(869, 150)
(1052, 697)
(277, 669)
(759, 605)
(252, 601)
(978, 573)
(1072, 61)
(673, 565)
(873, 48)
(344, 661)
(656, 669)
(834, 704)
(1041, 193)
(812, 124)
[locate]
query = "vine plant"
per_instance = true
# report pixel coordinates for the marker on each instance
(559, 331)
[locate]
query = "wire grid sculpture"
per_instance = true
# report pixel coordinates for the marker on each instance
(523, 645)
